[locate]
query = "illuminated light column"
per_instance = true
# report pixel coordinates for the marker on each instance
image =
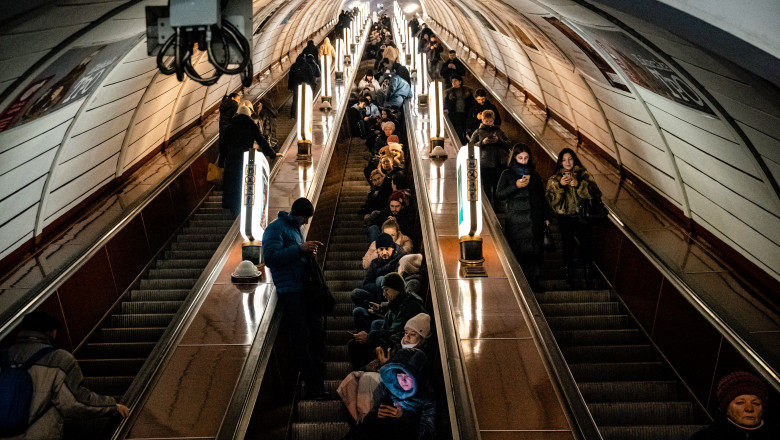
(422, 78)
(470, 210)
(436, 115)
(327, 90)
(339, 60)
(353, 36)
(303, 124)
(254, 206)
(347, 46)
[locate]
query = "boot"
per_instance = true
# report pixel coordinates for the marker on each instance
(567, 275)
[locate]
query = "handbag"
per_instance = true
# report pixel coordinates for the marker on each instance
(214, 173)
(549, 243)
(591, 210)
(316, 290)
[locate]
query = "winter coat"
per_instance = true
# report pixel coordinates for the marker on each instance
(377, 198)
(327, 49)
(419, 407)
(447, 73)
(300, 73)
(474, 122)
(239, 136)
(406, 218)
(403, 241)
(310, 48)
(380, 267)
(493, 146)
(401, 309)
(373, 85)
(565, 200)
(227, 109)
(58, 392)
(459, 100)
(526, 209)
(723, 429)
(283, 255)
(398, 91)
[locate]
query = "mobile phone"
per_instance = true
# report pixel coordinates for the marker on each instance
(387, 400)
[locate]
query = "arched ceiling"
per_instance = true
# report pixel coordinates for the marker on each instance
(694, 126)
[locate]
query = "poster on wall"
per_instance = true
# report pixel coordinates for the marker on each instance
(647, 70)
(73, 76)
(592, 63)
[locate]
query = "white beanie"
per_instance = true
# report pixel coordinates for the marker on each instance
(421, 323)
(410, 264)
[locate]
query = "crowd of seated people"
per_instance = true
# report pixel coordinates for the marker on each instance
(388, 393)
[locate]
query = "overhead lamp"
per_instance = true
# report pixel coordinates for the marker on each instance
(436, 116)
(470, 210)
(339, 60)
(254, 206)
(326, 93)
(422, 78)
(303, 124)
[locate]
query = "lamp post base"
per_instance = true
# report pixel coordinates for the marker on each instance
(422, 99)
(252, 251)
(471, 249)
(339, 75)
(304, 150)
(437, 147)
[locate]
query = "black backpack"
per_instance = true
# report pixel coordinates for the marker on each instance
(16, 392)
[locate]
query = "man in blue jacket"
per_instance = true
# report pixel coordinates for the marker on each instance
(285, 253)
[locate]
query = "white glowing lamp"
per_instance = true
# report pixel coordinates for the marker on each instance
(327, 89)
(254, 205)
(469, 205)
(303, 124)
(422, 74)
(436, 115)
(339, 60)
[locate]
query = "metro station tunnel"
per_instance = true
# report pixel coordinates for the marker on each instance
(580, 197)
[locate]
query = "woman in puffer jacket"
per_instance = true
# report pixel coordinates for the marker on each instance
(493, 145)
(526, 211)
(566, 188)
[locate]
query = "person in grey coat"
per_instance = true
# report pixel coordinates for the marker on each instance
(58, 392)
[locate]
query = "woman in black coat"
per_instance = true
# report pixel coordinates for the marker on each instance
(526, 211)
(240, 136)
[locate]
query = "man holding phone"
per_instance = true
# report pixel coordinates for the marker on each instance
(285, 253)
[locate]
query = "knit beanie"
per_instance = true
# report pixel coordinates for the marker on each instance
(384, 240)
(394, 281)
(410, 264)
(302, 207)
(398, 196)
(421, 323)
(737, 384)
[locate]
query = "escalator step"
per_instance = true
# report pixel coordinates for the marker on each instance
(159, 295)
(114, 350)
(200, 238)
(609, 353)
(359, 239)
(194, 246)
(598, 337)
(175, 283)
(207, 254)
(331, 385)
(343, 309)
(151, 334)
(625, 371)
(196, 263)
(343, 297)
(336, 275)
(347, 256)
(642, 413)
(348, 247)
(343, 285)
(204, 230)
(341, 323)
(337, 337)
(338, 353)
(320, 431)
(344, 265)
(131, 307)
(337, 370)
(327, 411)
(117, 367)
(110, 385)
(596, 322)
(657, 391)
(650, 432)
(584, 308)
(141, 320)
(168, 274)
(569, 296)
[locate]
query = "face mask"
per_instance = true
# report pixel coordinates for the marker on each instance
(408, 345)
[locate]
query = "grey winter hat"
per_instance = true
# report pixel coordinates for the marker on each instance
(394, 281)
(421, 323)
(302, 207)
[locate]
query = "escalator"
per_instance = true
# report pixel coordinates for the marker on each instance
(328, 420)
(114, 354)
(630, 391)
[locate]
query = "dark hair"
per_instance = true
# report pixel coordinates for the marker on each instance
(458, 77)
(453, 51)
(363, 100)
(40, 322)
(558, 163)
(233, 95)
(521, 148)
(480, 92)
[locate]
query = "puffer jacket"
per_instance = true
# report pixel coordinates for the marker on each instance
(418, 404)
(565, 200)
(283, 255)
(401, 309)
(526, 209)
(58, 392)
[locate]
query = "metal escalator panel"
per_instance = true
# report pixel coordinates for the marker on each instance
(343, 270)
(116, 352)
(630, 391)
